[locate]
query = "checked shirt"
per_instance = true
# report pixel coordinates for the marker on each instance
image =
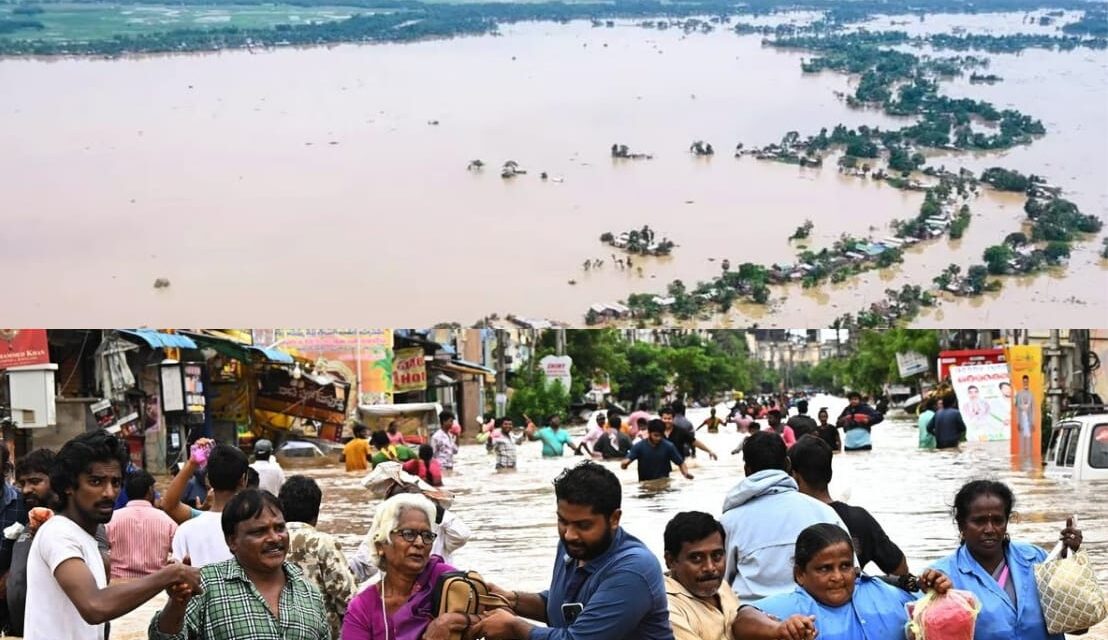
(231, 608)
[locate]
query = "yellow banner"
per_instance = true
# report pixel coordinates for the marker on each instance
(409, 370)
(1025, 364)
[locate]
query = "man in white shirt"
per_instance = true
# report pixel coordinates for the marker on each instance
(201, 538)
(442, 441)
(67, 587)
(270, 474)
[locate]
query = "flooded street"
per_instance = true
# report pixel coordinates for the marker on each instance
(316, 176)
(908, 491)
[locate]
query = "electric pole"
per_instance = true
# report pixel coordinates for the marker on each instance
(1054, 365)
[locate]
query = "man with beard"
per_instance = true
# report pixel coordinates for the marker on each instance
(257, 594)
(68, 595)
(32, 478)
(701, 607)
(13, 513)
(606, 583)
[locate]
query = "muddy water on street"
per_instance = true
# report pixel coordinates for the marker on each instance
(908, 491)
(313, 177)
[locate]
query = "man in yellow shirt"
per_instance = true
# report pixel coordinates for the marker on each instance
(356, 452)
(701, 605)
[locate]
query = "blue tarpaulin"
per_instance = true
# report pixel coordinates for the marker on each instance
(158, 340)
(273, 355)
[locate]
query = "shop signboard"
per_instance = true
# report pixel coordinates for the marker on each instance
(911, 363)
(23, 347)
(103, 413)
(278, 392)
(1025, 397)
(985, 409)
(948, 359)
(558, 368)
(409, 370)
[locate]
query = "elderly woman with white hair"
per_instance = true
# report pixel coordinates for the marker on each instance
(398, 606)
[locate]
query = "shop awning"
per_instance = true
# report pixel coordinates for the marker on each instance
(273, 355)
(466, 366)
(238, 350)
(461, 367)
(159, 340)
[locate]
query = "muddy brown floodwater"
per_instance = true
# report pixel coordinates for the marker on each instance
(313, 177)
(907, 490)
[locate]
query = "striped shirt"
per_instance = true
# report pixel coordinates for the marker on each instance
(140, 537)
(231, 608)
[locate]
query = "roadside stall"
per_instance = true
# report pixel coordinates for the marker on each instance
(413, 419)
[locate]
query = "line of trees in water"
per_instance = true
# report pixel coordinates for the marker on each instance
(903, 84)
(406, 20)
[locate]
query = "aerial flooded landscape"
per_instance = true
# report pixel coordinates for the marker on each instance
(714, 164)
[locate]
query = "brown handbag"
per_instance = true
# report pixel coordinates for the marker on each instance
(464, 592)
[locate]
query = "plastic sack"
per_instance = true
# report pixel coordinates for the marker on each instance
(950, 616)
(1071, 598)
(387, 476)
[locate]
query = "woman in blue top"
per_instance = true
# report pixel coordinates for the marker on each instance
(842, 603)
(996, 569)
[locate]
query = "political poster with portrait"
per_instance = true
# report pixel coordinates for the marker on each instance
(1025, 364)
(985, 409)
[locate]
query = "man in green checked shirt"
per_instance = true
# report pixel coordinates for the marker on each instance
(256, 594)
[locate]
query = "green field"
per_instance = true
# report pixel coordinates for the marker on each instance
(85, 22)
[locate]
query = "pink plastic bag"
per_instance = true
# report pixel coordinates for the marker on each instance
(950, 616)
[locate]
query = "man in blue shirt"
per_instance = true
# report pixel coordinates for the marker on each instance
(606, 585)
(655, 453)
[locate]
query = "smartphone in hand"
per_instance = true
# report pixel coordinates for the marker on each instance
(199, 453)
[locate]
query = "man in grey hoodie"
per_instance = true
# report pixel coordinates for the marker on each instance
(762, 516)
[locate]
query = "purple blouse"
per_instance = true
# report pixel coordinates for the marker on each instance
(366, 619)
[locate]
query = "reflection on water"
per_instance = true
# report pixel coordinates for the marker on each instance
(312, 176)
(909, 492)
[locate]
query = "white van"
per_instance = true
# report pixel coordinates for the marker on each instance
(1079, 448)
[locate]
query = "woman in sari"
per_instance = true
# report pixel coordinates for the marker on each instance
(398, 605)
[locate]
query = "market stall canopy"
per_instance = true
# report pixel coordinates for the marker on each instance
(462, 366)
(273, 355)
(413, 419)
(394, 409)
(238, 350)
(158, 340)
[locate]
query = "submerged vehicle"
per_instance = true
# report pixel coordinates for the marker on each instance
(1079, 447)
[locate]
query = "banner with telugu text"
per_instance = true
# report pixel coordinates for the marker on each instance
(372, 348)
(409, 370)
(1025, 363)
(985, 409)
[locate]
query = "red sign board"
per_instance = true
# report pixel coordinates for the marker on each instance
(948, 359)
(23, 347)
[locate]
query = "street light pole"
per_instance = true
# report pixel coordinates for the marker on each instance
(1054, 366)
(501, 373)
